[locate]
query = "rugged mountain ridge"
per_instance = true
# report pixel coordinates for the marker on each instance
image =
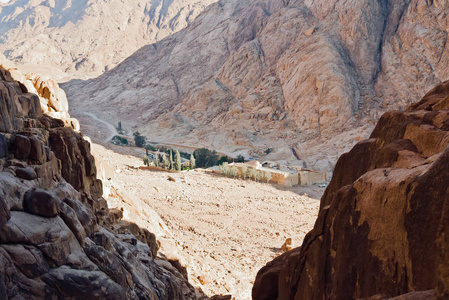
(84, 38)
(58, 239)
(382, 226)
(307, 78)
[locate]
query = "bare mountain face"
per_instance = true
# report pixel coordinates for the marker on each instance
(307, 78)
(382, 227)
(84, 38)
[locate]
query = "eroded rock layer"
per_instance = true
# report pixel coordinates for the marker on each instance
(307, 79)
(58, 239)
(66, 38)
(383, 221)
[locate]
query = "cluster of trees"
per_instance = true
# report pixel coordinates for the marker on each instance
(201, 158)
(169, 163)
(257, 175)
(139, 139)
(118, 140)
(206, 158)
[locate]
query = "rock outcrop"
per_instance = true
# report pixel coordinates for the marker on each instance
(66, 39)
(382, 227)
(306, 78)
(58, 239)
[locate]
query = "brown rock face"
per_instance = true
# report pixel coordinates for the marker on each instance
(75, 39)
(56, 237)
(305, 77)
(382, 225)
(42, 203)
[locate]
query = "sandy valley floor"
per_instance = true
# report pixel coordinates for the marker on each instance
(222, 229)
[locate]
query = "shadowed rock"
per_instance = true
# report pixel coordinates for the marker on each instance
(53, 249)
(382, 226)
(23, 146)
(27, 173)
(3, 146)
(41, 203)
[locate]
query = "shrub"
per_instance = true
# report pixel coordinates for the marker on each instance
(151, 148)
(139, 140)
(244, 172)
(205, 158)
(184, 155)
(252, 173)
(259, 175)
(233, 171)
(268, 176)
(224, 169)
(118, 140)
(240, 159)
(224, 159)
(268, 151)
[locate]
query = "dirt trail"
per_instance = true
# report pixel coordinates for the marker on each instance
(109, 126)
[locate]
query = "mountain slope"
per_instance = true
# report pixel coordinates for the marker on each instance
(85, 38)
(307, 78)
(382, 227)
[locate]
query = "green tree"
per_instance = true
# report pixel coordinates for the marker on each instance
(192, 162)
(146, 161)
(156, 159)
(165, 162)
(259, 175)
(139, 139)
(233, 171)
(170, 158)
(177, 161)
(224, 159)
(252, 173)
(119, 127)
(205, 158)
(240, 159)
(118, 140)
(224, 169)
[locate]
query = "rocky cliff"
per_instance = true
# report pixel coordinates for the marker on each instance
(306, 78)
(86, 37)
(382, 227)
(58, 239)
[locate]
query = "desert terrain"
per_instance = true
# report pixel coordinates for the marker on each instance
(222, 229)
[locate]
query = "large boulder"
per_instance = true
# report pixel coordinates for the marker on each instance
(382, 225)
(41, 203)
(80, 284)
(27, 173)
(23, 146)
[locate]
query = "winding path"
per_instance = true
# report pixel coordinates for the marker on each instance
(114, 132)
(111, 127)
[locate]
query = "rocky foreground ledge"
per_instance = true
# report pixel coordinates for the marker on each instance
(58, 239)
(382, 230)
